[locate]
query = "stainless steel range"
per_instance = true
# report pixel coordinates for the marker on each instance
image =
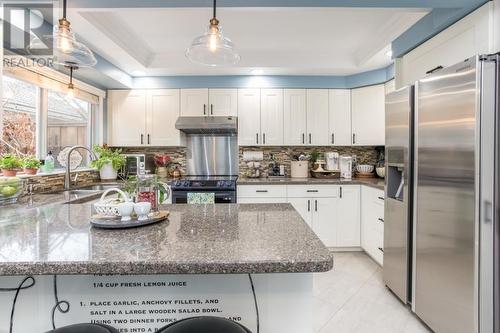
(211, 159)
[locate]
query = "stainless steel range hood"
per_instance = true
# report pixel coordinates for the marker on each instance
(207, 125)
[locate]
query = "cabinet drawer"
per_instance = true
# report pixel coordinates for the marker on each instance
(260, 200)
(262, 191)
(378, 198)
(313, 191)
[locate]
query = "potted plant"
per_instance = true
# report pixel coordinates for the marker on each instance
(162, 162)
(9, 163)
(108, 163)
(31, 164)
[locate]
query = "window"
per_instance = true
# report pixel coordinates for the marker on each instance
(18, 120)
(38, 116)
(68, 123)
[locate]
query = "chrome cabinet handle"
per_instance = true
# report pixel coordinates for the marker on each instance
(149, 141)
(204, 109)
(381, 198)
(264, 138)
(257, 136)
(333, 138)
(316, 205)
(261, 191)
(308, 205)
(303, 138)
(312, 191)
(353, 138)
(381, 220)
(142, 139)
(212, 109)
(310, 138)
(381, 249)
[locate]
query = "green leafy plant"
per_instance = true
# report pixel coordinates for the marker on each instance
(10, 161)
(107, 155)
(31, 162)
(315, 156)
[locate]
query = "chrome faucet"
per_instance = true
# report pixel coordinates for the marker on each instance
(67, 178)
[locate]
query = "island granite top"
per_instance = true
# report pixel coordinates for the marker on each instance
(196, 239)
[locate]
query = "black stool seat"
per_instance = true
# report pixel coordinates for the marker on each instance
(204, 325)
(85, 328)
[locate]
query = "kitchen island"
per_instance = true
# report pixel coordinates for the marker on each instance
(199, 262)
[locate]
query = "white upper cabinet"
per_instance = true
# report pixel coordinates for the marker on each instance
(340, 117)
(317, 117)
(368, 116)
(223, 102)
(163, 109)
(144, 117)
(294, 116)
(127, 117)
(194, 102)
(271, 116)
(249, 117)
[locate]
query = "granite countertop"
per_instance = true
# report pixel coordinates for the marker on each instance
(197, 239)
(372, 182)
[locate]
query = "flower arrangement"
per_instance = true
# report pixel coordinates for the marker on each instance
(162, 163)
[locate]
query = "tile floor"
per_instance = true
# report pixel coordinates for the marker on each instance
(352, 298)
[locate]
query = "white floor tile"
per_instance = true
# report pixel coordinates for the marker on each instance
(352, 298)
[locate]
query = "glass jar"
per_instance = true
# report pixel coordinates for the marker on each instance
(149, 189)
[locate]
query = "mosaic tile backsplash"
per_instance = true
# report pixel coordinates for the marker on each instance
(364, 155)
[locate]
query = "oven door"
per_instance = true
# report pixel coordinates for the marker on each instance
(180, 197)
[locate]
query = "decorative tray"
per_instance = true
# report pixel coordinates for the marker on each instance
(107, 222)
(365, 175)
(325, 174)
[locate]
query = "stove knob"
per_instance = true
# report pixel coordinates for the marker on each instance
(185, 183)
(229, 183)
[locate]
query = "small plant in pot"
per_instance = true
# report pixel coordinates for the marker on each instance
(9, 163)
(31, 164)
(108, 162)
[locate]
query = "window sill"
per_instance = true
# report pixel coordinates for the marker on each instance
(55, 172)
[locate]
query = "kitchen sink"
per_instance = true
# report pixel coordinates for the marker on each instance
(99, 187)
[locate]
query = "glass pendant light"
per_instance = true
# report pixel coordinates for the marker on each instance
(71, 88)
(212, 48)
(67, 50)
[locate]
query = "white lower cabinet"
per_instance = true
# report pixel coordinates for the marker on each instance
(372, 223)
(348, 216)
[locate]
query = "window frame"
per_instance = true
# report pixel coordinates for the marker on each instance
(46, 79)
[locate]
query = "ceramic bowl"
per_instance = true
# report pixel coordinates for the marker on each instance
(381, 172)
(125, 209)
(364, 168)
(142, 210)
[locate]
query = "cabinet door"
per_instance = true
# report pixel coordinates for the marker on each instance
(368, 116)
(294, 116)
(348, 217)
(223, 102)
(194, 102)
(324, 221)
(258, 200)
(249, 117)
(162, 111)
(303, 207)
(271, 116)
(340, 117)
(317, 117)
(127, 111)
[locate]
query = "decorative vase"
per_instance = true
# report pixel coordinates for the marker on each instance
(9, 172)
(107, 172)
(30, 171)
(162, 172)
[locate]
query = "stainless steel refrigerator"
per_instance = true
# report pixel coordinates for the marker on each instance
(455, 234)
(399, 113)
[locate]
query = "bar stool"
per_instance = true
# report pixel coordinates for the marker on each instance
(85, 328)
(204, 325)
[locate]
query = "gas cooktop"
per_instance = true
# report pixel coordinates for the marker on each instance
(205, 183)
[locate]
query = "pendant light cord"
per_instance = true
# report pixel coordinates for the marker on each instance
(215, 1)
(64, 9)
